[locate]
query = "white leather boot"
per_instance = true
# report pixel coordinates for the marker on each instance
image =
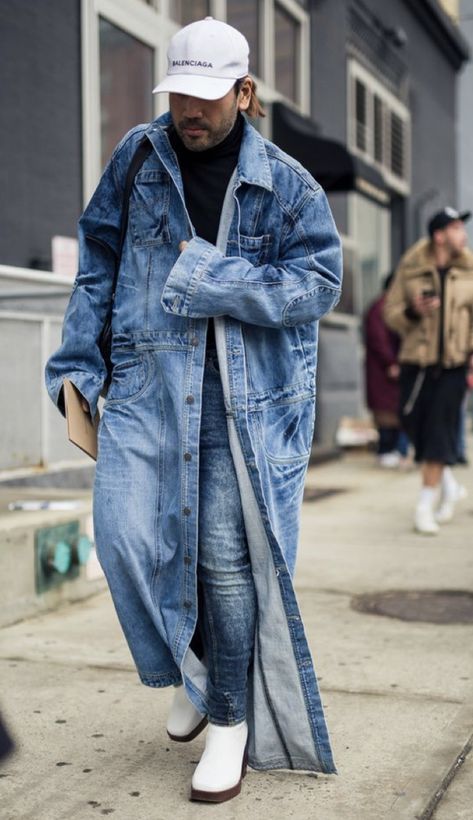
(184, 722)
(223, 764)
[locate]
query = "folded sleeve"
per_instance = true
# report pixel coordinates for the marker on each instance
(302, 286)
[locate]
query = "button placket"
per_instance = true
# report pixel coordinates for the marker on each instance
(188, 444)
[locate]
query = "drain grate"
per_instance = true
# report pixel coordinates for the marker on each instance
(317, 493)
(429, 606)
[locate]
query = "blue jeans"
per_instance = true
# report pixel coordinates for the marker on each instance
(226, 588)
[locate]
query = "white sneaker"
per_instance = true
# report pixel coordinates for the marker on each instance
(446, 509)
(223, 764)
(184, 722)
(389, 461)
(424, 521)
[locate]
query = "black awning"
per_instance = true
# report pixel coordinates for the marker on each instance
(329, 162)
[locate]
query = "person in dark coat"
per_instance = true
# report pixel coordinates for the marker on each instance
(382, 382)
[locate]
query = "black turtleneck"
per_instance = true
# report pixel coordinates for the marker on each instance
(205, 176)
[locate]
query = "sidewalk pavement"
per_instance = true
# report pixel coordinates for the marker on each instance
(398, 695)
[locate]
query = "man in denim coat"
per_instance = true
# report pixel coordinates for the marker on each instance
(230, 258)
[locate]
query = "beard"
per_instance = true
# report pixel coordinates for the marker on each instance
(455, 250)
(212, 134)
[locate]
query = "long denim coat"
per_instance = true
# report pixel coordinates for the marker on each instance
(275, 271)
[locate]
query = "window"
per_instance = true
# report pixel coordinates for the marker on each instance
(379, 127)
(397, 145)
(244, 15)
(124, 45)
(126, 80)
(287, 50)
(351, 277)
(188, 11)
(370, 229)
(361, 117)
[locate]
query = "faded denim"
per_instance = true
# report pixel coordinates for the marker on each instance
(224, 568)
(275, 272)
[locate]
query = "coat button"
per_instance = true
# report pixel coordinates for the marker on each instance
(194, 341)
(189, 399)
(187, 511)
(187, 457)
(187, 560)
(187, 604)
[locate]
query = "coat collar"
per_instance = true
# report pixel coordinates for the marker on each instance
(420, 258)
(253, 165)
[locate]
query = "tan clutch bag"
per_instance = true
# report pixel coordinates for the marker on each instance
(81, 428)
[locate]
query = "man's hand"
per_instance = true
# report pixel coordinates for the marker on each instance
(424, 305)
(393, 371)
(182, 245)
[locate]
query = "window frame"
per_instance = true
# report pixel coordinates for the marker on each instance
(140, 20)
(354, 198)
(391, 104)
(153, 25)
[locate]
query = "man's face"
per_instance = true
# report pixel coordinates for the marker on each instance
(201, 124)
(453, 237)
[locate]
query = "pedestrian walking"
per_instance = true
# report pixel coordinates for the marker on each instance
(430, 304)
(230, 258)
(382, 372)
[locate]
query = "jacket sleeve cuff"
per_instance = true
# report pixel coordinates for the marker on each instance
(186, 273)
(89, 387)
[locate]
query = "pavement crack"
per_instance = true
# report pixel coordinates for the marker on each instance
(392, 693)
(108, 667)
(439, 794)
(341, 593)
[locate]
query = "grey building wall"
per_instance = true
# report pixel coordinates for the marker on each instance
(329, 28)
(465, 120)
(40, 138)
(431, 65)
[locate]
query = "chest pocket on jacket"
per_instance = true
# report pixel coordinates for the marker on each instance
(149, 208)
(256, 249)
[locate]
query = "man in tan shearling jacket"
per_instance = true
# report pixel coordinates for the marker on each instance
(430, 305)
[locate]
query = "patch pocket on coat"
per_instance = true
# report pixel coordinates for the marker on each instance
(286, 431)
(256, 249)
(149, 208)
(129, 380)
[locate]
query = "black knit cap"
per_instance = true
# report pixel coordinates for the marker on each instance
(443, 218)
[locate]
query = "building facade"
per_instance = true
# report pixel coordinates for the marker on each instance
(363, 93)
(465, 119)
(392, 101)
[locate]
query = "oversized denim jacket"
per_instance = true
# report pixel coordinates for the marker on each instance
(276, 270)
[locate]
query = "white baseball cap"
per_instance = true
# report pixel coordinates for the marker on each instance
(205, 59)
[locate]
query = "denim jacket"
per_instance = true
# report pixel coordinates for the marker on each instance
(274, 272)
